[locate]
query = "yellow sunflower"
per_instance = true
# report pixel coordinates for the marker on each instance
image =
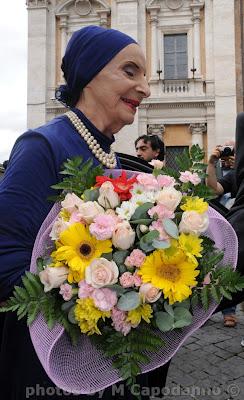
(191, 245)
(77, 248)
(195, 204)
(173, 273)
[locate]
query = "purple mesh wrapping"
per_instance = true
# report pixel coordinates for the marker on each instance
(83, 369)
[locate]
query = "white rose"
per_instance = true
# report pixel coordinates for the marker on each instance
(108, 198)
(101, 272)
(53, 277)
(193, 222)
(123, 236)
(71, 202)
(89, 210)
(169, 197)
(158, 164)
(58, 227)
(149, 293)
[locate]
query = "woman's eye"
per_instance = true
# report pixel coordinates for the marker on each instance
(129, 72)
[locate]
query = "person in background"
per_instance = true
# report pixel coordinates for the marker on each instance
(149, 147)
(226, 188)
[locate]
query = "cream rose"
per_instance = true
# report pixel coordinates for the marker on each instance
(53, 277)
(58, 227)
(149, 293)
(89, 210)
(123, 236)
(169, 197)
(193, 222)
(71, 202)
(101, 272)
(108, 198)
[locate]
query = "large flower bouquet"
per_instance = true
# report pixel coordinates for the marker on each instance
(128, 258)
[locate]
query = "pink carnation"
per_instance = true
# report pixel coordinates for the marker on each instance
(104, 298)
(85, 290)
(76, 217)
(119, 321)
(188, 176)
(126, 280)
(66, 291)
(161, 211)
(135, 259)
(102, 227)
(137, 279)
(148, 180)
(166, 181)
(158, 226)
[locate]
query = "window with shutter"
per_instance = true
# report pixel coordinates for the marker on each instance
(175, 56)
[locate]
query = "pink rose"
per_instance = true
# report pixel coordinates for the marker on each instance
(147, 180)
(166, 181)
(161, 211)
(188, 176)
(101, 272)
(126, 280)
(53, 277)
(104, 299)
(135, 259)
(157, 164)
(102, 227)
(85, 290)
(58, 227)
(158, 226)
(66, 291)
(193, 222)
(169, 197)
(149, 293)
(71, 202)
(89, 210)
(123, 236)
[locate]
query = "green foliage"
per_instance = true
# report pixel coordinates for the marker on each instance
(129, 351)
(80, 176)
(141, 212)
(173, 317)
(29, 300)
(129, 301)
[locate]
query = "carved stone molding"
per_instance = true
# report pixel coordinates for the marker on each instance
(197, 129)
(103, 14)
(37, 3)
(156, 105)
(196, 7)
(156, 129)
(83, 7)
(174, 4)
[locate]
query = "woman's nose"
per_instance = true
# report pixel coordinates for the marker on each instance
(144, 87)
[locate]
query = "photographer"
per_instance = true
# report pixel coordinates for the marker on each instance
(221, 178)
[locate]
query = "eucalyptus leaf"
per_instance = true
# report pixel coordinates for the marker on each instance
(108, 256)
(171, 228)
(67, 305)
(129, 301)
(146, 247)
(117, 288)
(141, 211)
(160, 244)
(164, 321)
(169, 309)
(142, 221)
(182, 316)
(122, 268)
(150, 236)
(120, 256)
(185, 304)
(91, 194)
(71, 316)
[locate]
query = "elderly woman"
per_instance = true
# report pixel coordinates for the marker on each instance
(105, 73)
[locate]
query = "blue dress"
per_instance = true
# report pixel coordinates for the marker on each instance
(34, 165)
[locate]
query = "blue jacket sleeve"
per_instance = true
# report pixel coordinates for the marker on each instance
(23, 205)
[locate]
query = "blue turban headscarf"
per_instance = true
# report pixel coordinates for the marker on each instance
(87, 53)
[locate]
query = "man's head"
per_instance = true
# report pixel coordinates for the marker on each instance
(149, 148)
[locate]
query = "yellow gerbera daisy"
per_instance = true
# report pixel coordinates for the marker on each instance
(144, 311)
(77, 248)
(88, 315)
(191, 245)
(174, 275)
(195, 204)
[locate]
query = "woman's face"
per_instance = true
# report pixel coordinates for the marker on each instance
(111, 99)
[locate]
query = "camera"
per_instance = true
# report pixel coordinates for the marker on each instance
(227, 151)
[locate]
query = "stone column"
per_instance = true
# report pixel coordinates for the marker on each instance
(154, 41)
(63, 32)
(197, 131)
(103, 14)
(37, 62)
(196, 18)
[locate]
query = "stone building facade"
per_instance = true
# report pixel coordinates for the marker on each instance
(194, 62)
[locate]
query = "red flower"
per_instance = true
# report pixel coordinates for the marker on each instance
(121, 185)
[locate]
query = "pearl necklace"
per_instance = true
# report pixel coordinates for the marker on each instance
(108, 160)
